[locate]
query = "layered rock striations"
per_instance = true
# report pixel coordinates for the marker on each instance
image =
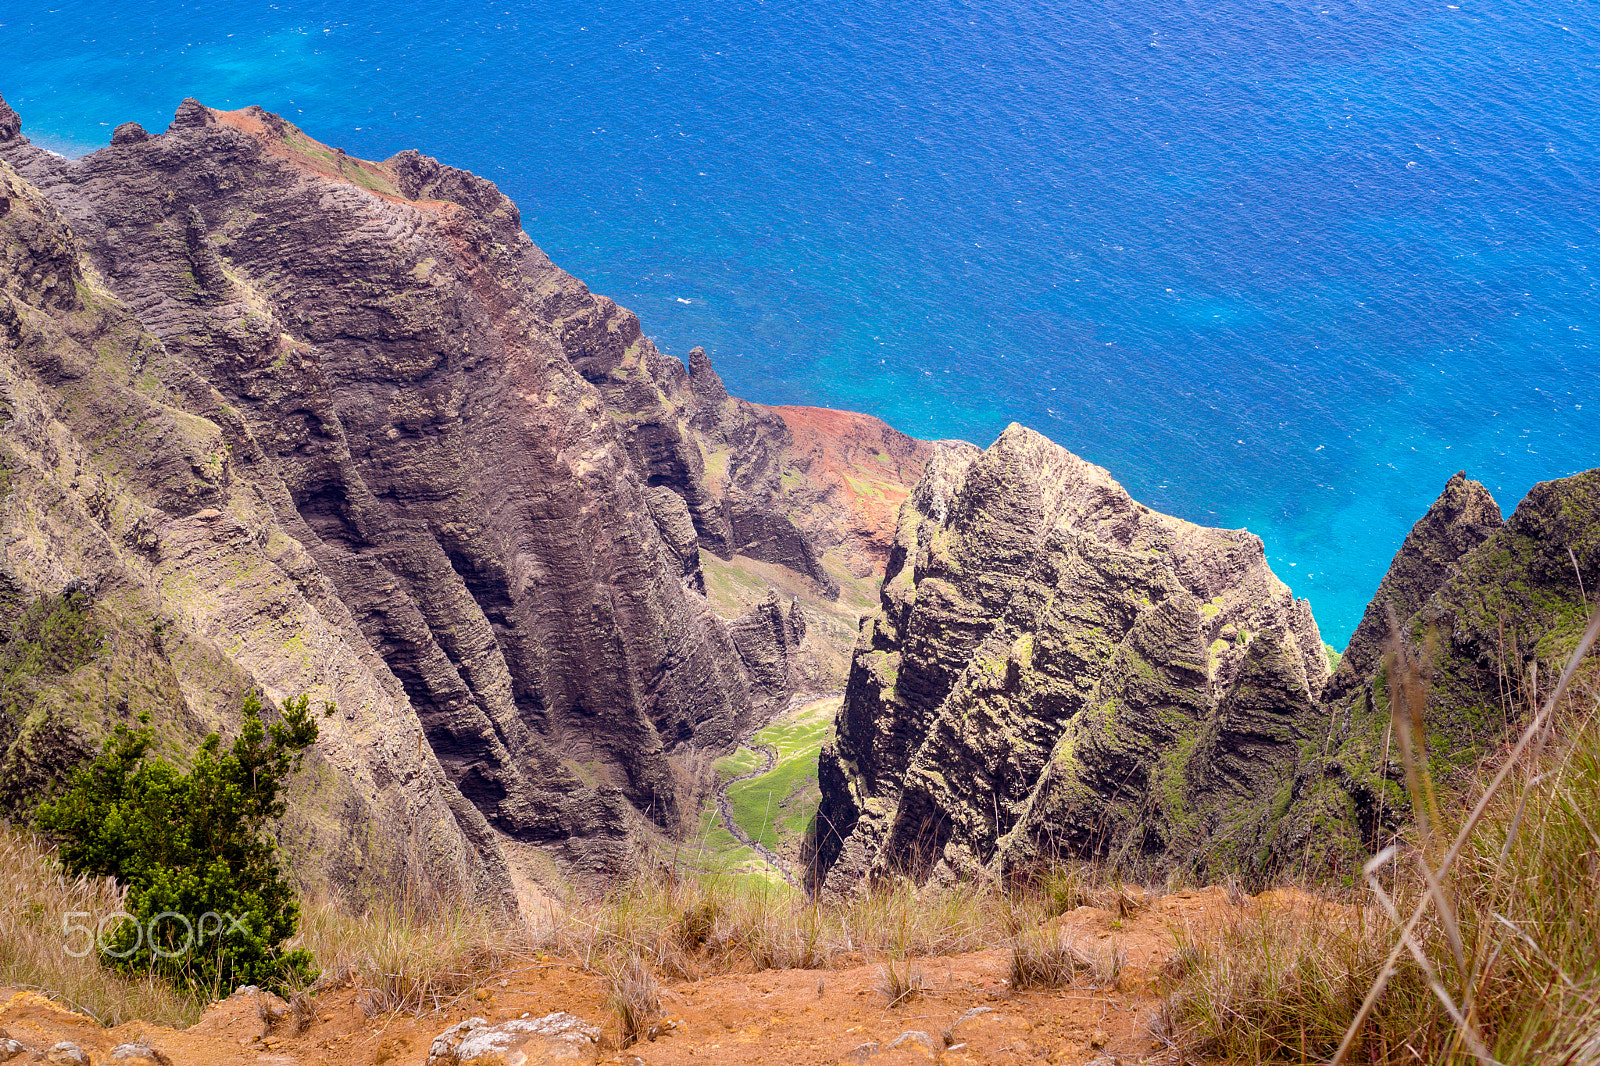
(119, 490)
(332, 426)
(1044, 643)
(275, 417)
(1057, 672)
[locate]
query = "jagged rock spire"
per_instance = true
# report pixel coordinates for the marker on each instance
(10, 122)
(1463, 516)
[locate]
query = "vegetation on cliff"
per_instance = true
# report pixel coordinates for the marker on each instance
(318, 424)
(45, 642)
(1050, 666)
(361, 438)
(1476, 938)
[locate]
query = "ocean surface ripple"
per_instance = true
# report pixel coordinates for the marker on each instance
(1285, 266)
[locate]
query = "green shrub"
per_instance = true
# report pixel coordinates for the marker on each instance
(207, 907)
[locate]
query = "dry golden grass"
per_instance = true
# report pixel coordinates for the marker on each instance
(634, 998)
(684, 925)
(406, 959)
(1046, 957)
(900, 982)
(1479, 940)
(1267, 982)
(36, 898)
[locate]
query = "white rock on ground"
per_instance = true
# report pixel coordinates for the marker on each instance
(559, 1038)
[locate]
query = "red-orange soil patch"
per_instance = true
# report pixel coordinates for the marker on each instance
(869, 466)
(314, 157)
(787, 1017)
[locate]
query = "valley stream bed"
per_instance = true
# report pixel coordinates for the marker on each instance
(767, 795)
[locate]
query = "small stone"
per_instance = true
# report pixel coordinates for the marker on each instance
(67, 1053)
(1099, 1038)
(912, 1047)
(969, 1014)
(138, 1055)
(10, 1049)
(556, 1038)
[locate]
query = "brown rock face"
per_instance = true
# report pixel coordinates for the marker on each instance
(10, 123)
(811, 489)
(767, 636)
(117, 489)
(129, 133)
(1042, 641)
(359, 437)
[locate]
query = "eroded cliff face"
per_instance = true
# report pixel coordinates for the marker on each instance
(1488, 614)
(1057, 672)
(118, 491)
(277, 417)
(332, 426)
(1044, 643)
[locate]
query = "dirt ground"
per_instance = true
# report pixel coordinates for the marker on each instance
(788, 1017)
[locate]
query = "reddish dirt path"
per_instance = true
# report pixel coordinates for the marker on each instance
(786, 1017)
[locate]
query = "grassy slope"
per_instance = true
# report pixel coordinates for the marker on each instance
(736, 585)
(776, 807)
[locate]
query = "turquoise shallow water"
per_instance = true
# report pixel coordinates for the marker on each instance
(1278, 265)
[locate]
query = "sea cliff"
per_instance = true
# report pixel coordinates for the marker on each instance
(308, 423)
(276, 418)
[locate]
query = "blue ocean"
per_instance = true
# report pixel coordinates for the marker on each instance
(1285, 266)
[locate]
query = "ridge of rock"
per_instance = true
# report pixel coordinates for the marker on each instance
(1463, 517)
(318, 424)
(1487, 641)
(1029, 599)
(1056, 672)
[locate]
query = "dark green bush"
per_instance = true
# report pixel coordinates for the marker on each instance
(209, 905)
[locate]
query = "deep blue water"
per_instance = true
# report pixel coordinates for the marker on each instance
(1278, 265)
